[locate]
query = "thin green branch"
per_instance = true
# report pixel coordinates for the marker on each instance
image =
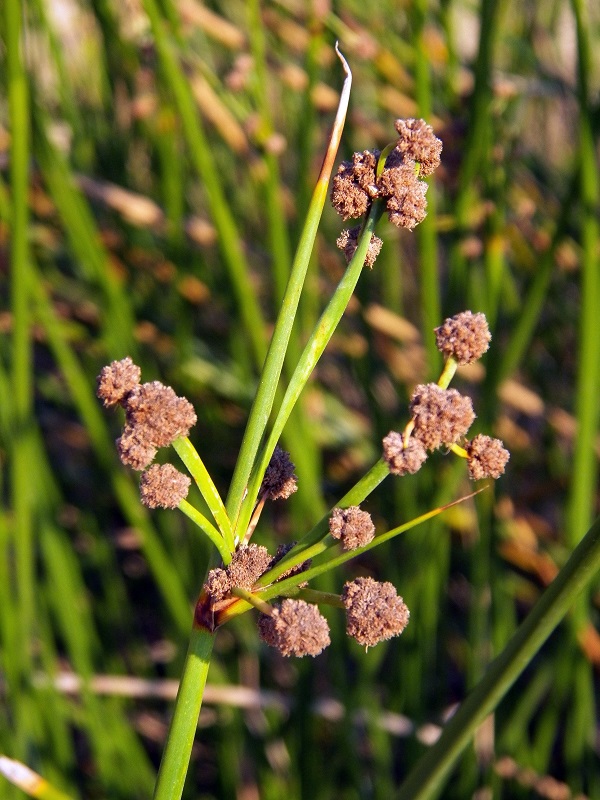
(204, 524)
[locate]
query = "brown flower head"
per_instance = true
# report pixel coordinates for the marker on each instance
(279, 481)
(348, 242)
(441, 416)
(465, 337)
(418, 143)
(374, 611)
(248, 564)
(354, 185)
(487, 457)
(133, 449)
(157, 414)
(400, 459)
(295, 628)
(406, 204)
(218, 584)
(117, 380)
(353, 527)
(163, 486)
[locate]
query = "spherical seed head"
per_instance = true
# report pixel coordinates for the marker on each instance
(163, 486)
(249, 562)
(295, 628)
(465, 337)
(351, 187)
(441, 416)
(419, 143)
(406, 203)
(158, 414)
(133, 449)
(400, 459)
(353, 527)
(117, 380)
(348, 242)
(374, 611)
(279, 481)
(487, 457)
(218, 584)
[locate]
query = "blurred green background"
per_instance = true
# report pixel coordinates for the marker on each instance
(157, 158)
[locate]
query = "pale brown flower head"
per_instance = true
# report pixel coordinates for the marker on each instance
(133, 449)
(465, 337)
(418, 143)
(249, 562)
(279, 481)
(348, 242)
(353, 527)
(295, 628)
(157, 414)
(374, 611)
(163, 486)
(117, 380)
(441, 416)
(400, 459)
(487, 457)
(352, 187)
(406, 204)
(218, 584)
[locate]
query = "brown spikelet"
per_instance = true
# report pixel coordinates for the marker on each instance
(117, 380)
(163, 486)
(279, 481)
(249, 562)
(353, 186)
(295, 628)
(133, 450)
(218, 584)
(418, 143)
(158, 414)
(487, 457)
(352, 526)
(348, 241)
(441, 416)
(374, 611)
(465, 337)
(400, 459)
(406, 204)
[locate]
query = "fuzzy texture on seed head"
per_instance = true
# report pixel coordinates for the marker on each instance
(117, 380)
(133, 449)
(158, 414)
(374, 611)
(403, 460)
(163, 486)
(406, 204)
(441, 416)
(487, 457)
(295, 628)
(279, 481)
(352, 186)
(218, 584)
(419, 143)
(348, 242)
(249, 562)
(353, 527)
(465, 337)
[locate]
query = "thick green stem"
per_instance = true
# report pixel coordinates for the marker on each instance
(178, 748)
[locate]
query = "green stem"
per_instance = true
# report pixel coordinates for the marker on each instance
(209, 529)
(428, 774)
(190, 457)
(178, 748)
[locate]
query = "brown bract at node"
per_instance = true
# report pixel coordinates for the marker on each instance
(295, 628)
(374, 611)
(352, 526)
(403, 460)
(117, 380)
(441, 416)
(163, 486)
(465, 337)
(487, 457)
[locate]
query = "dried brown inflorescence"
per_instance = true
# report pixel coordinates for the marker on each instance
(295, 628)
(249, 562)
(163, 486)
(117, 380)
(356, 185)
(218, 584)
(465, 337)
(374, 611)
(487, 457)
(403, 460)
(279, 481)
(440, 416)
(348, 242)
(352, 526)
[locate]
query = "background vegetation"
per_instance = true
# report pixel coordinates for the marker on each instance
(157, 158)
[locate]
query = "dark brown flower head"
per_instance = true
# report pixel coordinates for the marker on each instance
(465, 337)
(133, 449)
(117, 380)
(487, 457)
(419, 143)
(163, 486)
(354, 185)
(218, 584)
(279, 481)
(406, 204)
(353, 527)
(283, 550)
(158, 415)
(374, 611)
(441, 416)
(403, 460)
(249, 562)
(348, 242)
(295, 628)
